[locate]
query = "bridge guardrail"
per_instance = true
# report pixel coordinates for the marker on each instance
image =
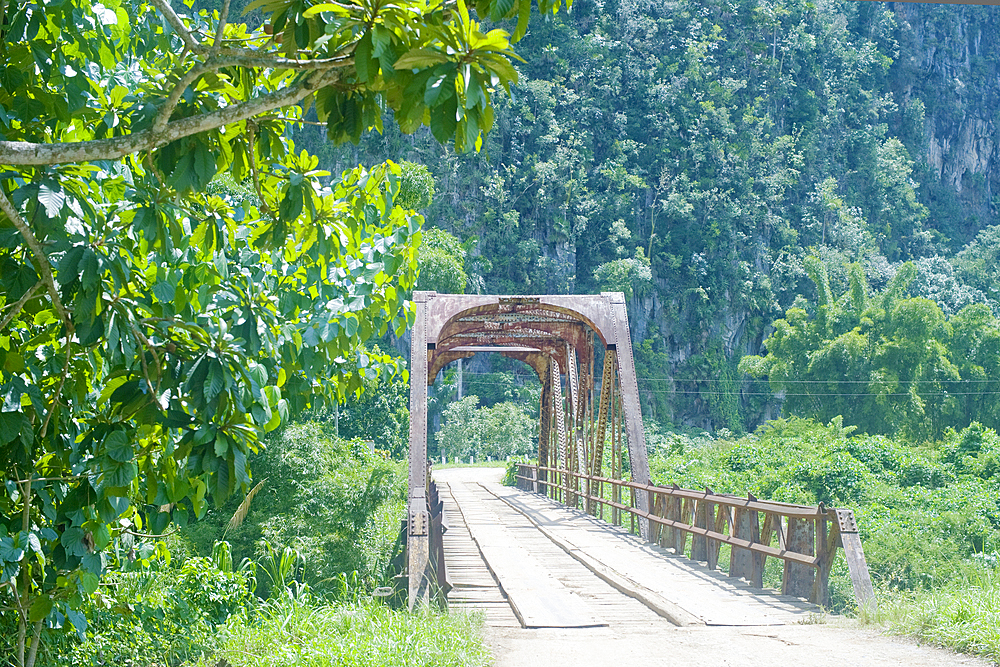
(806, 543)
(438, 527)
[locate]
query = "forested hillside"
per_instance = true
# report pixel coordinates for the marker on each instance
(694, 154)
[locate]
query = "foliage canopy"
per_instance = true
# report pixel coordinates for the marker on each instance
(151, 331)
(887, 363)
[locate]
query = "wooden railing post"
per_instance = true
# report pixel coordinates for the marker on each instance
(746, 526)
(721, 523)
(826, 550)
(797, 579)
(704, 510)
(856, 564)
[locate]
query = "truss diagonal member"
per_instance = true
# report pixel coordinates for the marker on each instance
(573, 380)
(544, 421)
(607, 392)
(557, 406)
(575, 428)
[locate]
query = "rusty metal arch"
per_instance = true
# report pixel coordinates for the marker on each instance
(555, 335)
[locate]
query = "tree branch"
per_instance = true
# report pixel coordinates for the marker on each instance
(223, 18)
(254, 58)
(35, 640)
(16, 307)
(155, 391)
(62, 383)
(23, 153)
(177, 24)
(43, 261)
(163, 116)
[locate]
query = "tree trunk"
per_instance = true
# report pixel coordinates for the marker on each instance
(35, 641)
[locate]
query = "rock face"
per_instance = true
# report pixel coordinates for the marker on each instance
(947, 79)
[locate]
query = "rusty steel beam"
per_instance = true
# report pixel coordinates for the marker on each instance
(630, 404)
(553, 348)
(607, 392)
(419, 577)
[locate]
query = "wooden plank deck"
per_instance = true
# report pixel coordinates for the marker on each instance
(525, 559)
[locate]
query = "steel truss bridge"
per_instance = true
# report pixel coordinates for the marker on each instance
(592, 458)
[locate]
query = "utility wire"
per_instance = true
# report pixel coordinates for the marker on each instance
(716, 380)
(838, 381)
(867, 393)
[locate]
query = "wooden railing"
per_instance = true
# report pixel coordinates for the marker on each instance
(807, 536)
(438, 527)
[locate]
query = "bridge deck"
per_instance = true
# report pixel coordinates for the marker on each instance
(559, 567)
(555, 566)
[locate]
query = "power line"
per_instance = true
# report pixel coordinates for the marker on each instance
(718, 381)
(867, 393)
(838, 381)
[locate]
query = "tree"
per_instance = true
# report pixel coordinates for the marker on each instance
(151, 331)
(497, 431)
(442, 263)
(888, 363)
(458, 432)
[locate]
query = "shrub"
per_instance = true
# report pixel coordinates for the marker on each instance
(337, 502)
(156, 615)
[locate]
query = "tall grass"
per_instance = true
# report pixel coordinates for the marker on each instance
(363, 634)
(963, 615)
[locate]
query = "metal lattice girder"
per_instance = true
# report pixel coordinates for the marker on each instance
(607, 392)
(559, 412)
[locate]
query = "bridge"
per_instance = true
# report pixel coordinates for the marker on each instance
(584, 539)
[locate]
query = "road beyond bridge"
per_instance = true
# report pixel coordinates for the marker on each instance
(561, 588)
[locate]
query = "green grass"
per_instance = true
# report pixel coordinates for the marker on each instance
(964, 616)
(365, 634)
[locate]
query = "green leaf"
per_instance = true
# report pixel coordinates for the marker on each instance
(240, 466)
(523, 17)
(214, 382)
(90, 270)
(109, 388)
(90, 582)
(502, 9)
(439, 88)
(10, 426)
(118, 446)
(40, 608)
(71, 540)
(419, 58)
(204, 165)
(68, 267)
(366, 67)
(443, 121)
(121, 476)
(223, 484)
(164, 292)
(51, 199)
(79, 622)
(339, 10)
(221, 445)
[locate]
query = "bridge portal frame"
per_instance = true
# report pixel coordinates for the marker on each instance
(554, 334)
